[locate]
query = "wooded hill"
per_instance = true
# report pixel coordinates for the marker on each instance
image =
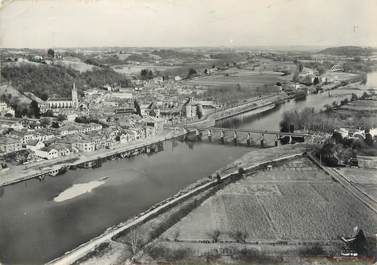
(47, 80)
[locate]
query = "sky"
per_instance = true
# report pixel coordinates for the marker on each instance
(183, 23)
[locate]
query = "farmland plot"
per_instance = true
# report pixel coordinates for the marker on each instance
(293, 201)
(250, 80)
(364, 179)
(346, 211)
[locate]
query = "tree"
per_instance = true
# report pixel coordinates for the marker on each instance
(364, 78)
(328, 108)
(137, 108)
(368, 139)
(214, 235)
(133, 241)
(61, 117)
(239, 236)
(34, 109)
(51, 53)
(44, 96)
(327, 155)
(337, 137)
(146, 74)
(153, 113)
(55, 125)
(191, 72)
(238, 86)
(44, 122)
(48, 113)
(321, 70)
(199, 112)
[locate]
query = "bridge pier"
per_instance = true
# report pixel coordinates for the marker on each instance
(209, 135)
(198, 134)
(262, 140)
(222, 137)
(235, 136)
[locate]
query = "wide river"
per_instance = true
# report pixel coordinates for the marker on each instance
(40, 220)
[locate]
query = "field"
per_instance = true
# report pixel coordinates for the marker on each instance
(136, 69)
(361, 105)
(339, 76)
(295, 202)
(364, 179)
(75, 64)
(230, 78)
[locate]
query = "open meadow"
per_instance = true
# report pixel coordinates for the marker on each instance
(361, 105)
(130, 69)
(233, 77)
(76, 64)
(295, 201)
(363, 178)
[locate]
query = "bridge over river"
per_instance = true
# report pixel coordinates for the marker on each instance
(250, 137)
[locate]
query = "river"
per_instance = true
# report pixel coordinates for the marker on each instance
(35, 228)
(270, 120)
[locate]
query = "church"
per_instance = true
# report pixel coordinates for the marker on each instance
(64, 103)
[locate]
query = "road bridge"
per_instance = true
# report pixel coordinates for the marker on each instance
(249, 137)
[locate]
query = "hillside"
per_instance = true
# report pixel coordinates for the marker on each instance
(349, 51)
(46, 80)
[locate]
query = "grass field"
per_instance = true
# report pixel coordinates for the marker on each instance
(75, 64)
(136, 69)
(295, 201)
(364, 179)
(339, 76)
(361, 105)
(232, 77)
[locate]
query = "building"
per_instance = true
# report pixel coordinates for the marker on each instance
(35, 145)
(189, 110)
(64, 103)
(157, 125)
(48, 152)
(6, 110)
(83, 144)
(9, 144)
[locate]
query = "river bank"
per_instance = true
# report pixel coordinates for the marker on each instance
(251, 161)
(20, 173)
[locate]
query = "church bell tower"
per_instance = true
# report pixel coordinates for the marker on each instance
(75, 98)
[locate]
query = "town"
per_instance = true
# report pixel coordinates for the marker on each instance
(188, 132)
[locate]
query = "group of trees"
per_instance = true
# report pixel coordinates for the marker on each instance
(191, 72)
(137, 108)
(146, 74)
(298, 119)
(338, 149)
(47, 80)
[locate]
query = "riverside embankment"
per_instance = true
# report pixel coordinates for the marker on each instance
(248, 162)
(22, 173)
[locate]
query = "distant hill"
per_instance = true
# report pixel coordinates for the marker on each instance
(349, 51)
